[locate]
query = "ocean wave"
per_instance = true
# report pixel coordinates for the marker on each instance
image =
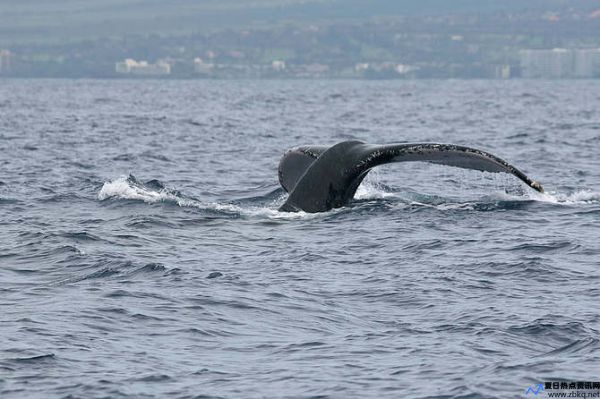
(122, 270)
(503, 200)
(129, 188)
(579, 197)
(34, 359)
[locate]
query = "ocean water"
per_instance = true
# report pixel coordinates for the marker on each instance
(142, 254)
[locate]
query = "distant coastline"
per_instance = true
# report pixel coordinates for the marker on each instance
(386, 40)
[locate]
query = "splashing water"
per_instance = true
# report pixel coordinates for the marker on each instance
(579, 197)
(127, 187)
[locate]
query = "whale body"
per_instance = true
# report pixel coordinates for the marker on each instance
(320, 178)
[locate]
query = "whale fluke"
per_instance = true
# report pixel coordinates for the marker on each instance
(321, 178)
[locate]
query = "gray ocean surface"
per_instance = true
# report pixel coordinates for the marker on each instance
(142, 254)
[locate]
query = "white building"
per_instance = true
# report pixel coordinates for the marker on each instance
(202, 67)
(502, 72)
(403, 69)
(142, 68)
(361, 67)
(587, 63)
(125, 66)
(5, 61)
(278, 65)
(560, 63)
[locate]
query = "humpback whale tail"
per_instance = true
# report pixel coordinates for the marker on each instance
(320, 178)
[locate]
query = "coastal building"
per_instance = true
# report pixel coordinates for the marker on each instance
(502, 72)
(361, 67)
(551, 64)
(278, 65)
(312, 71)
(587, 63)
(403, 69)
(143, 68)
(203, 68)
(5, 61)
(560, 63)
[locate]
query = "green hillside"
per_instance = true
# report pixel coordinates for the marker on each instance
(64, 21)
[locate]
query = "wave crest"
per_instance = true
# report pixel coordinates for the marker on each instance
(579, 197)
(127, 187)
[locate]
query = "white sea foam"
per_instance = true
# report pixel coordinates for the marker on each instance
(578, 197)
(371, 188)
(368, 191)
(124, 188)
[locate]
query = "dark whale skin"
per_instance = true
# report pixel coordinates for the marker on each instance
(321, 178)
